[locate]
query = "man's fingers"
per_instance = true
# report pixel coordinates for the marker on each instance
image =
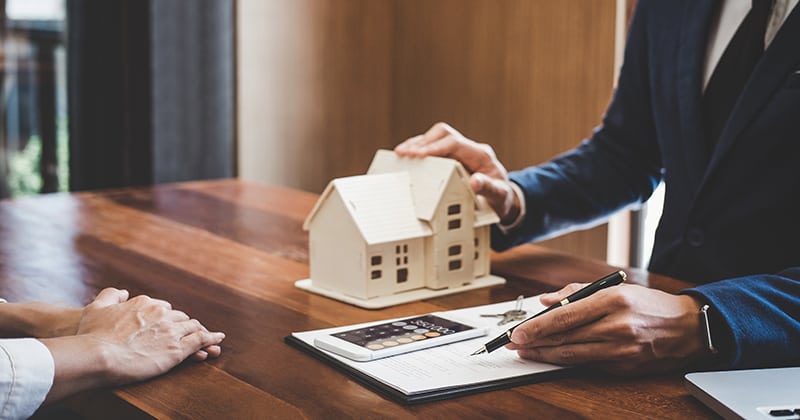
(200, 355)
(419, 145)
(210, 352)
(213, 351)
(573, 354)
(201, 340)
(439, 131)
(497, 192)
(549, 299)
(110, 296)
(562, 320)
(407, 147)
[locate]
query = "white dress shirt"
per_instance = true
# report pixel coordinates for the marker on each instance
(26, 375)
(730, 17)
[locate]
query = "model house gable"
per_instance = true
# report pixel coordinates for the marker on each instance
(429, 179)
(380, 206)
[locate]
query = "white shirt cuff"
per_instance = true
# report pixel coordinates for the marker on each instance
(26, 375)
(522, 209)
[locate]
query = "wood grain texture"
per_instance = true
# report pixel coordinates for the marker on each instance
(228, 252)
(325, 84)
(314, 89)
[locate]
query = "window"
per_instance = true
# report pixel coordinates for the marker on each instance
(402, 275)
(453, 209)
(454, 250)
(454, 265)
(375, 274)
(34, 143)
(402, 255)
(454, 224)
(376, 260)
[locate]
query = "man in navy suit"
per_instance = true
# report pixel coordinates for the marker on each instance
(722, 131)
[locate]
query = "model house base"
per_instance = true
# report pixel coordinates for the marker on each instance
(402, 297)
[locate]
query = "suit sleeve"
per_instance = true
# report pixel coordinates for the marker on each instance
(757, 319)
(618, 166)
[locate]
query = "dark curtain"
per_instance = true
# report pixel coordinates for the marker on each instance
(151, 91)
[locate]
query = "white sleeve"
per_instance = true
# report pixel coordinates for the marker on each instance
(522, 210)
(26, 375)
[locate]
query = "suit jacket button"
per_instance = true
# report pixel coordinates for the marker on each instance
(695, 237)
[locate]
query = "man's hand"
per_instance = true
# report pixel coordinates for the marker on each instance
(145, 336)
(627, 329)
(120, 341)
(489, 177)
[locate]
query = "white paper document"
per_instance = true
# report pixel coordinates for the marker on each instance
(449, 365)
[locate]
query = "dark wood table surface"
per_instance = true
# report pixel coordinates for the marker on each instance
(228, 253)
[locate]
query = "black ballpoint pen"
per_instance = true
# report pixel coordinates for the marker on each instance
(612, 279)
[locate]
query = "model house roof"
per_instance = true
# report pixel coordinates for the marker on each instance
(429, 177)
(380, 205)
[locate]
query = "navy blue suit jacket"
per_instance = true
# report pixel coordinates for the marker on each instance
(731, 219)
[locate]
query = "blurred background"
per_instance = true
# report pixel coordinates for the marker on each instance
(108, 94)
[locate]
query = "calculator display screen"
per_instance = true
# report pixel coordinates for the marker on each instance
(405, 331)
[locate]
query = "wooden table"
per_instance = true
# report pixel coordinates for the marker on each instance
(228, 253)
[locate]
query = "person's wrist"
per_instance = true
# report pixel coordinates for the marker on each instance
(705, 348)
(514, 207)
(694, 346)
(81, 362)
(26, 320)
(54, 321)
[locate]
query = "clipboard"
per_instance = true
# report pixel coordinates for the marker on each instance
(499, 370)
(428, 396)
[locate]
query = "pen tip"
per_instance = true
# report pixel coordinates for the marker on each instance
(479, 351)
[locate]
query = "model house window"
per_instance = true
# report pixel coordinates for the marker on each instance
(454, 265)
(375, 274)
(402, 254)
(402, 275)
(454, 224)
(453, 209)
(454, 250)
(376, 260)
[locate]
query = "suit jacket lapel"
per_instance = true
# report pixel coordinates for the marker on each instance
(697, 19)
(779, 59)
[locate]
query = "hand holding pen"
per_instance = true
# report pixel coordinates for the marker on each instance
(607, 281)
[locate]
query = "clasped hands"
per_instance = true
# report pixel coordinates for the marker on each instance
(116, 340)
(628, 329)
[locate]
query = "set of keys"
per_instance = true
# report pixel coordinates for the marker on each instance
(511, 315)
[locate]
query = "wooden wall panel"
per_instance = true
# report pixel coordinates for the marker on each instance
(529, 77)
(314, 88)
(322, 84)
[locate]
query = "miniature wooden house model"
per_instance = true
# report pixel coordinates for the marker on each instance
(407, 224)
